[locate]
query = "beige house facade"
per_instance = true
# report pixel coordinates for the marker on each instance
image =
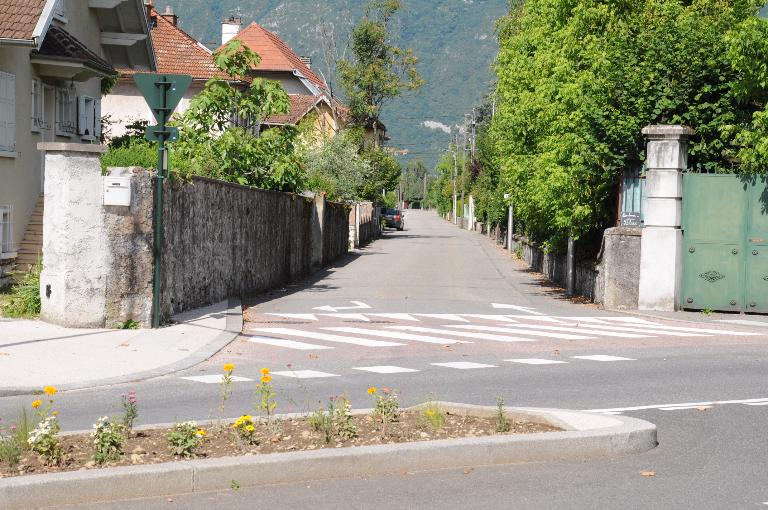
(54, 55)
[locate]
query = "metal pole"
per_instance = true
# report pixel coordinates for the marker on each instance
(510, 229)
(158, 237)
(570, 273)
(455, 175)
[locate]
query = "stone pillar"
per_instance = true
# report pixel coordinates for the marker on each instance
(75, 263)
(662, 240)
(318, 221)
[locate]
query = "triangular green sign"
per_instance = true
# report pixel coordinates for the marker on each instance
(162, 91)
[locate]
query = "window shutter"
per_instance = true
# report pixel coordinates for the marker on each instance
(82, 116)
(97, 119)
(7, 112)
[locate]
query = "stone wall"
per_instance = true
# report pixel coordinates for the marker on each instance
(620, 267)
(6, 267)
(369, 227)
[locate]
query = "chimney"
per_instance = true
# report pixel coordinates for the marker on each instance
(230, 28)
(307, 61)
(168, 15)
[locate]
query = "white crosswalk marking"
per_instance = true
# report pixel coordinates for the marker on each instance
(539, 318)
(399, 336)
(639, 329)
(385, 369)
(395, 316)
(512, 328)
(551, 331)
(214, 378)
(744, 322)
(536, 361)
(494, 318)
(352, 316)
(463, 334)
(443, 316)
(702, 330)
(603, 357)
(305, 374)
(463, 365)
(289, 344)
(329, 338)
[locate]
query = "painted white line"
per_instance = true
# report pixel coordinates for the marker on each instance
(305, 374)
(329, 338)
(463, 365)
(463, 334)
(551, 331)
(540, 318)
(536, 361)
(603, 357)
(288, 344)
(443, 316)
(659, 406)
(395, 316)
(590, 320)
(744, 322)
(214, 378)
(359, 305)
(385, 369)
(683, 408)
(756, 403)
(398, 336)
(352, 316)
(495, 318)
(633, 320)
(702, 330)
(302, 316)
(639, 329)
(526, 309)
(524, 330)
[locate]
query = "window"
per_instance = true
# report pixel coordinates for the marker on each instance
(7, 114)
(88, 117)
(6, 230)
(38, 122)
(65, 111)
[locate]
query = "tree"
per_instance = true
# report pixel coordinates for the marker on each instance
(378, 70)
(412, 180)
(219, 133)
(337, 168)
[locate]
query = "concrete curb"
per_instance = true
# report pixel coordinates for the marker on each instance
(234, 327)
(586, 435)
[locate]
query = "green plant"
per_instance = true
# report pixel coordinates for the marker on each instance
(343, 421)
(518, 251)
(44, 441)
(433, 415)
(108, 440)
(185, 438)
(130, 409)
(266, 398)
(10, 450)
(129, 324)
(246, 429)
(386, 408)
(226, 387)
(14, 439)
(322, 421)
(24, 299)
(707, 311)
(234, 485)
(502, 423)
(132, 152)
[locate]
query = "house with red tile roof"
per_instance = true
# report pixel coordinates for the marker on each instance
(54, 55)
(176, 52)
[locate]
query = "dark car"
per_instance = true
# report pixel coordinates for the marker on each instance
(393, 218)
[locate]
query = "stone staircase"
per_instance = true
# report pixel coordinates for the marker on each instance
(31, 247)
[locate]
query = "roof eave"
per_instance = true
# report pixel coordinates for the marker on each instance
(24, 43)
(43, 22)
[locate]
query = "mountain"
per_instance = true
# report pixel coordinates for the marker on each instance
(454, 40)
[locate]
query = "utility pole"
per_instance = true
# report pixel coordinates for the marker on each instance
(463, 165)
(424, 195)
(455, 153)
(474, 134)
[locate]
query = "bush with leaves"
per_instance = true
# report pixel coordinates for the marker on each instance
(336, 167)
(24, 300)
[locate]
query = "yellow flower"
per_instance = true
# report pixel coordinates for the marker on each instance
(201, 432)
(55, 413)
(246, 417)
(50, 390)
(36, 404)
(266, 378)
(430, 412)
(250, 428)
(264, 371)
(228, 367)
(372, 390)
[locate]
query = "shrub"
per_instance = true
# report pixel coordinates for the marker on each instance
(108, 440)
(246, 429)
(184, 438)
(44, 441)
(24, 300)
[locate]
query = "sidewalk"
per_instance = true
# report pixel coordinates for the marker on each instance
(34, 354)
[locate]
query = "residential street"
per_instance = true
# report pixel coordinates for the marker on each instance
(439, 312)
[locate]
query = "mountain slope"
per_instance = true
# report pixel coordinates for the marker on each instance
(454, 40)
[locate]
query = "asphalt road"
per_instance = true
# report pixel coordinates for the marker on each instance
(449, 285)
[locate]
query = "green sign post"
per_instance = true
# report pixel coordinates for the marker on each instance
(162, 93)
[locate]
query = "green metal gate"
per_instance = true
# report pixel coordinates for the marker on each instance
(725, 242)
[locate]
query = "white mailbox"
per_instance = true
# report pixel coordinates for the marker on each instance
(117, 191)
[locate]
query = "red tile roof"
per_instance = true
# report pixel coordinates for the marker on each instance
(176, 52)
(19, 17)
(275, 54)
(301, 105)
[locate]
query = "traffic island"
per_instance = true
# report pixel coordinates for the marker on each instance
(302, 448)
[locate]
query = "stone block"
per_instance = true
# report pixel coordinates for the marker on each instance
(660, 268)
(663, 183)
(667, 154)
(620, 267)
(663, 212)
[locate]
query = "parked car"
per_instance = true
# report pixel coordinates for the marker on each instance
(393, 218)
